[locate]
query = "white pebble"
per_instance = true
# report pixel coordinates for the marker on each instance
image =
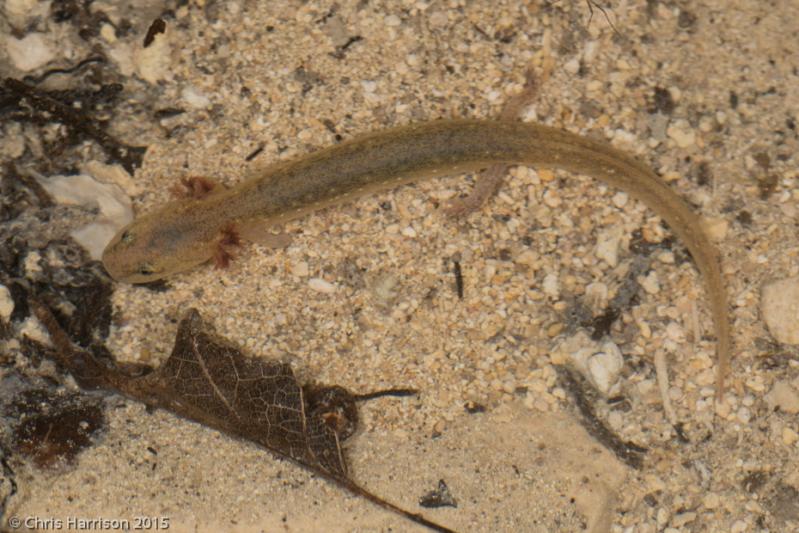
(572, 66)
(650, 283)
(194, 98)
(779, 305)
(392, 21)
(681, 133)
(739, 527)
(320, 285)
(620, 199)
(114, 206)
(6, 303)
(19, 12)
(789, 436)
(154, 63)
(607, 245)
(408, 231)
(300, 269)
(783, 396)
(604, 367)
(744, 415)
(551, 198)
(596, 296)
(31, 52)
(551, 286)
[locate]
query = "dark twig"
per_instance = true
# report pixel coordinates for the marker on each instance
(628, 452)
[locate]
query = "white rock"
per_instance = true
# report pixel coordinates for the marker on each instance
(596, 296)
(154, 63)
(601, 363)
(650, 283)
(784, 397)
(112, 174)
(108, 33)
(32, 329)
(604, 367)
(408, 231)
(19, 12)
(744, 415)
(607, 245)
(320, 285)
(779, 305)
(30, 52)
(392, 21)
(551, 286)
(789, 436)
(6, 303)
(194, 98)
(682, 134)
(13, 144)
(83, 190)
(620, 199)
(572, 66)
(300, 269)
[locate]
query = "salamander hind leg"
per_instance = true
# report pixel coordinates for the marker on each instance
(490, 180)
(261, 231)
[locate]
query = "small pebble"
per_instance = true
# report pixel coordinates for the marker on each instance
(739, 526)
(681, 519)
(596, 296)
(572, 66)
(300, 269)
(650, 283)
(320, 285)
(607, 245)
(620, 199)
(154, 63)
(194, 98)
(682, 134)
(6, 303)
(392, 21)
(551, 198)
(783, 397)
(789, 436)
(31, 52)
(551, 286)
(779, 305)
(604, 367)
(662, 516)
(711, 501)
(744, 415)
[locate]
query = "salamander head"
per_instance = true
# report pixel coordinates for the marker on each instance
(148, 250)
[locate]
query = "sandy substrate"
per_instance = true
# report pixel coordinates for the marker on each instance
(698, 93)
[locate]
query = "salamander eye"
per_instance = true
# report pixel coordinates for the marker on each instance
(127, 237)
(145, 269)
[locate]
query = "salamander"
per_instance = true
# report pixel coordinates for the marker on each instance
(189, 232)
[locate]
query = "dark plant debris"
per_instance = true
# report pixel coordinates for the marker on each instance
(439, 497)
(23, 102)
(208, 380)
(54, 427)
(627, 452)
